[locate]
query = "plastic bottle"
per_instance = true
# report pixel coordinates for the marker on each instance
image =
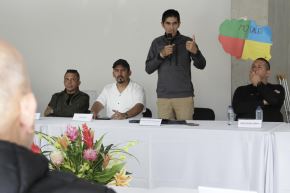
(259, 113)
(231, 115)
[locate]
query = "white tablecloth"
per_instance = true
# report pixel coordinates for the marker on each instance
(154, 190)
(282, 158)
(211, 154)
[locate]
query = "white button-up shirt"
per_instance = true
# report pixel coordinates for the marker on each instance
(112, 99)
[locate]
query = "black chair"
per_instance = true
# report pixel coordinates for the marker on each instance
(147, 113)
(203, 114)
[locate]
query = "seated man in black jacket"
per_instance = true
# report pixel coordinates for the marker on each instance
(22, 171)
(69, 101)
(259, 93)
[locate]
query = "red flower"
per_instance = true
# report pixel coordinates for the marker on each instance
(35, 148)
(88, 136)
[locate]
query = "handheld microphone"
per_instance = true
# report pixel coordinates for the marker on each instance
(169, 38)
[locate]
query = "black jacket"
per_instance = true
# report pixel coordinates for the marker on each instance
(22, 171)
(247, 98)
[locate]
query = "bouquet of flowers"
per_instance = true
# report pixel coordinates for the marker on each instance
(75, 151)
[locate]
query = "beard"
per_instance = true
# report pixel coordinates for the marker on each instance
(120, 79)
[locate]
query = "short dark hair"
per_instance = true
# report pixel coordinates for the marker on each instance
(73, 71)
(266, 62)
(170, 13)
(123, 63)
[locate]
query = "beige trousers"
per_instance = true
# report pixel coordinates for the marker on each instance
(175, 108)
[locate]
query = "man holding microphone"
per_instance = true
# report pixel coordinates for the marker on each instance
(171, 55)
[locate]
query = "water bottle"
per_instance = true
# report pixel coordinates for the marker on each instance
(231, 115)
(259, 113)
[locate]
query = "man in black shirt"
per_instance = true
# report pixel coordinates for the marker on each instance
(69, 101)
(259, 93)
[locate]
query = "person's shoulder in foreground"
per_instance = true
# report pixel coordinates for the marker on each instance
(65, 182)
(34, 178)
(22, 171)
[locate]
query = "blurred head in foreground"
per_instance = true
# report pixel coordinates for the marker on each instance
(17, 102)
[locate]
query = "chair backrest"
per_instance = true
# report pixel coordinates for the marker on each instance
(147, 113)
(203, 114)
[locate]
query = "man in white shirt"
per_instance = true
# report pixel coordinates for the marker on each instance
(123, 99)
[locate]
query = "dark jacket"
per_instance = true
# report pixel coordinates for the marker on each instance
(22, 171)
(65, 105)
(174, 71)
(247, 98)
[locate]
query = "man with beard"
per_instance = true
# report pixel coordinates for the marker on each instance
(124, 99)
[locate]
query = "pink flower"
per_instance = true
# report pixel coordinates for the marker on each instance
(72, 132)
(90, 154)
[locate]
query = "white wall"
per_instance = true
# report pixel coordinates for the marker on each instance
(90, 35)
(247, 8)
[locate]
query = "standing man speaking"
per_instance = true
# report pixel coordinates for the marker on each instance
(171, 54)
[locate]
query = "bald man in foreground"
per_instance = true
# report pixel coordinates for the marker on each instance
(22, 171)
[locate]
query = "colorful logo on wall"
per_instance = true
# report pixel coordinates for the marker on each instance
(243, 39)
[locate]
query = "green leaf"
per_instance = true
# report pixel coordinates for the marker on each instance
(99, 143)
(107, 149)
(50, 139)
(106, 175)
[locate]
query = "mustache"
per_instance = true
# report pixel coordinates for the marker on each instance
(120, 76)
(120, 79)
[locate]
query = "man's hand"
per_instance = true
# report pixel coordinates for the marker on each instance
(48, 111)
(96, 108)
(254, 78)
(167, 50)
(191, 45)
(118, 115)
(95, 115)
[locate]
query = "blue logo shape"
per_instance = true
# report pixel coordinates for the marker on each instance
(261, 34)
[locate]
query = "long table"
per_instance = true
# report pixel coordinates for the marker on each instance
(282, 158)
(211, 154)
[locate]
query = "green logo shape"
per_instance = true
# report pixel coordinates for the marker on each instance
(236, 28)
